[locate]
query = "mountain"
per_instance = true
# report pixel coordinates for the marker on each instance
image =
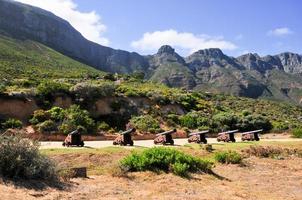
(274, 77)
(27, 22)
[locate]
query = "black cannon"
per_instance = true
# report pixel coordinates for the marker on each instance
(165, 137)
(228, 136)
(125, 138)
(251, 135)
(198, 137)
(74, 139)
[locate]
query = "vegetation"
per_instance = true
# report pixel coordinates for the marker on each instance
(167, 160)
(12, 123)
(228, 157)
(145, 123)
(20, 158)
(297, 133)
(63, 120)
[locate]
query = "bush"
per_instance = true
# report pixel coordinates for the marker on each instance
(39, 116)
(93, 91)
(75, 117)
(272, 152)
(297, 133)
(145, 123)
(20, 158)
(193, 120)
(228, 157)
(167, 160)
(252, 122)
(225, 121)
(49, 88)
(12, 123)
(56, 113)
(103, 126)
(47, 126)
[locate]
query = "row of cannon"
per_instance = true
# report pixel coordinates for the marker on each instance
(165, 138)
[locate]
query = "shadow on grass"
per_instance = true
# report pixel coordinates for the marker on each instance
(37, 185)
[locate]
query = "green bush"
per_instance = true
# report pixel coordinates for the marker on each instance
(252, 122)
(47, 126)
(297, 132)
(20, 158)
(93, 91)
(2, 88)
(145, 123)
(49, 88)
(56, 113)
(228, 157)
(12, 123)
(225, 121)
(165, 159)
(103, 126)
(193, 120)
(39, 116)
(75, 117)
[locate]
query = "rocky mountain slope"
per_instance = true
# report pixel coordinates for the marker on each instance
(274, 77)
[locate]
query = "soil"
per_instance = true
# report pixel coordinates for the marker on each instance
(260, 179)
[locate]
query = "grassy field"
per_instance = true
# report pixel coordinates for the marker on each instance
(102, 160)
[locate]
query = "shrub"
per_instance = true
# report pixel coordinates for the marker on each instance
(297, 132)
(48, 88)
(2, 88)
(145, 123)
(39, 116)
(228, 157)
(20, 158)
(225, 121)
(12, 123)
(93, 91)
(193, 120)
(75, 117)
(103, 126)
(47, 126)
(56, 113)
(264, 152)
(167, 160)
(252, 122)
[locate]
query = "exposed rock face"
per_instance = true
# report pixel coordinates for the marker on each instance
(27, 22)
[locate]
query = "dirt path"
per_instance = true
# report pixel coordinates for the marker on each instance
(149, 143)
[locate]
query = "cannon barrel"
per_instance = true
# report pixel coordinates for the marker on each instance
(255, 131)
(228, 132)
(166, 132)
(128, 131)
(199, 133)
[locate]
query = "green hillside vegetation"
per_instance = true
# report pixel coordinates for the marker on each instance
(25, 59)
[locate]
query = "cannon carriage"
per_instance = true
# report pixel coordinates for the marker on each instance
(74, 139)
(125, 138)
(198, 137)
(165, 138)
(228, 136)
(251, 135)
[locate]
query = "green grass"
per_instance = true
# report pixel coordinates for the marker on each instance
(27, 59)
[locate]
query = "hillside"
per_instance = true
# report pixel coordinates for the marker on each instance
(28, 59)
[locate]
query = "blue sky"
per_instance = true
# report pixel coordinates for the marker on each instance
(235, 26)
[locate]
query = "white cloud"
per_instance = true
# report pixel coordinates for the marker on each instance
(182, 41)
(280, 32)
(89, 24)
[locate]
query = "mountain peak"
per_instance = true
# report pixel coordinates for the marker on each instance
(166, 49)
(213, 52)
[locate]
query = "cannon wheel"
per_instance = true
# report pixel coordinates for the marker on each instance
(131, 143)
(82, 143)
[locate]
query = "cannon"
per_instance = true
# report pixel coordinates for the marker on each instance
(165, 137)
(251, 135)
(125, 138)
(198, 137)
(74, 139)
(227, 136)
